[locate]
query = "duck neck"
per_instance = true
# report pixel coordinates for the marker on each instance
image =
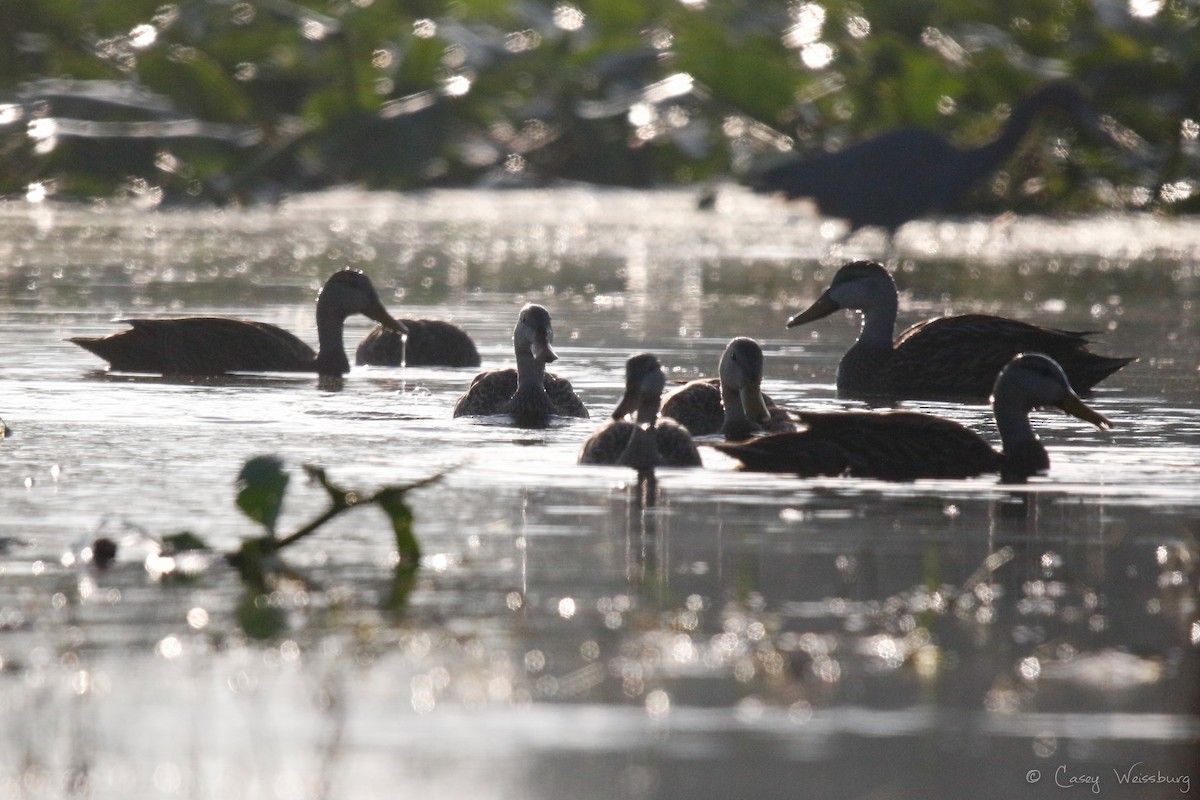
(647, 410)
(331, 347)
(530, 372)
(863, 369)
(746, 411)
(1012, 419)
(879, 322)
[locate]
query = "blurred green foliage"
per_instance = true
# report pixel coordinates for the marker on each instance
(245, 99)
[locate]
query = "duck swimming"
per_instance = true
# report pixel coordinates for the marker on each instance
(529, 394)
(217, 345)
(732, 403)
(650, 441)
(953, 358)
(905, 446)
(429, 343)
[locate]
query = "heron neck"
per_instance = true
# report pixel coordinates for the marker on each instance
(981, 161)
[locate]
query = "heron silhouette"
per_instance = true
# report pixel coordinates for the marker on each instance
(906, 173)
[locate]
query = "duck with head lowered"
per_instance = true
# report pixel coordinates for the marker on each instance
(429, 343)
(905, 445)
(948, 358)
(219, 345)
(528, 394)
(732, 403)
(649, 441)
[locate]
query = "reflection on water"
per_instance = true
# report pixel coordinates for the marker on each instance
(750, 635)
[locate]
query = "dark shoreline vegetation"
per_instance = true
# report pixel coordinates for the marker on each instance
(207, 101)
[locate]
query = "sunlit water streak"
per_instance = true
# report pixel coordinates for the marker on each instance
(559, 642)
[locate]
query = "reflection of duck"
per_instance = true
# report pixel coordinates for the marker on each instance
(949, 357)
(429, 343)
(904, 445)
(528, 393)
(907, 173)
(732, 403)
(651, 441)
(216, 345)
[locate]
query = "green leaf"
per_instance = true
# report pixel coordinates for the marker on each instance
(250, 561)
(182, 542)
(258, 618)
(392, 502)
(261, 485)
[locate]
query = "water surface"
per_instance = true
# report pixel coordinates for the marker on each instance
(750, 637)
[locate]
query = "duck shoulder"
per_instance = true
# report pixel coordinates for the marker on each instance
(431, 343)
(201, 346)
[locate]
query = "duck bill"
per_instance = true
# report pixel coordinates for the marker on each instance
(378, 313)
(824, 306)
(1081, 410)
(541, 349)
(627, 406)
(753, 403)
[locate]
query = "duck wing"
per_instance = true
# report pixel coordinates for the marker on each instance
(897, 446)
(201, 346)
(488, 393)
(607, 443)
(562, 396)
(696, 406)
(959, 357)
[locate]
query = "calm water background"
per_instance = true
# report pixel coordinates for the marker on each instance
(752, 637)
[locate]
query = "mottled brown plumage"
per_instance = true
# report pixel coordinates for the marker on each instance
(953, 358)
(667, 444)
(528, 394)
(217, 345)
(903, 445)
(732, 403)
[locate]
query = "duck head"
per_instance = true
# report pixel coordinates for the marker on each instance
(860, 286)
(1033, 380)
(534, 335)
(644, 383)
(741, 373)
(351, 292)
